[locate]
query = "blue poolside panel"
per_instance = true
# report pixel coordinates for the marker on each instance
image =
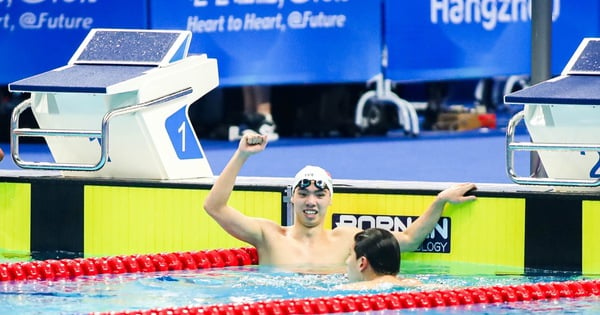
(564, 90)
(79, 78)
(301, 45)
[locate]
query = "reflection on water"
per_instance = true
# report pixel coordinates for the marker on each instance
(232, 285)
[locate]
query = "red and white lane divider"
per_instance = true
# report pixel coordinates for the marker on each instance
(54, 269)
(390, 301)
(219, 258)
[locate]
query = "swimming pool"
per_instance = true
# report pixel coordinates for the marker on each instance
(251, 289)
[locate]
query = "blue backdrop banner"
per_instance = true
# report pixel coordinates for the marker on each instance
(446, 40)
(306, 41)
(280, 41)
(40, 35)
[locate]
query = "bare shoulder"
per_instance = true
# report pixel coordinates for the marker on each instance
(269, 225)
(345, 231)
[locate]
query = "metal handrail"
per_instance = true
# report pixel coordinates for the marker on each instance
(103, 134)
(512, 146)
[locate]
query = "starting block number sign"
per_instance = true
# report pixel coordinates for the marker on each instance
(182, 136)
(594, 173)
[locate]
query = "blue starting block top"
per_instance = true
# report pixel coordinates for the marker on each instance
(577, 85)
(563, 90)
(107, 57)
(132, 47)
(586, 59)
(79, 79)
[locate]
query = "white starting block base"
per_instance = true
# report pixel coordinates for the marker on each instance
(142, 145)
(566, 124)
(562, 116)
(120, 108)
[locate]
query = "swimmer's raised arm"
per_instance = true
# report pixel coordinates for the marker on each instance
(234, 222)
(414, 235)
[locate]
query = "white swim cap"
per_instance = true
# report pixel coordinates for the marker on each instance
(319, 175)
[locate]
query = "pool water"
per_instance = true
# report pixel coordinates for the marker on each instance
(248, 284)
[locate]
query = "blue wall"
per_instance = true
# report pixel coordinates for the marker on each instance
(40, 35)
(302, 41)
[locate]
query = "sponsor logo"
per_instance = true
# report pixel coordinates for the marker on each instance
(488, 13)
(438, 241)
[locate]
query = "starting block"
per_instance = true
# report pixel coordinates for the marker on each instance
(119, 108)
(562, 116)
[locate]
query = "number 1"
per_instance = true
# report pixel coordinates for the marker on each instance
(181, 130)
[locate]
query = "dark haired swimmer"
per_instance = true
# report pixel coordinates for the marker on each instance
(307, 243)
(374, 261)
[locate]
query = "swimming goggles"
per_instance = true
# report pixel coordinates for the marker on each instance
(306, 182)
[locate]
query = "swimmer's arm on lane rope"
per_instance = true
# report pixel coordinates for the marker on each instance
(414, 235)
(237, 224)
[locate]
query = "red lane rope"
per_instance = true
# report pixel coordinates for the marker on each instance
(219, 258)
(53, 269)
(390, 301)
